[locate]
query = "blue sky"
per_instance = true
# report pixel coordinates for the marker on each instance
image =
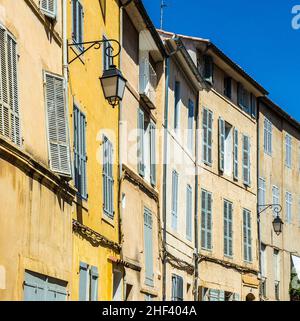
(257, 34)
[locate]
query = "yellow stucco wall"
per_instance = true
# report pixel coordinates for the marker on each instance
(86, 91)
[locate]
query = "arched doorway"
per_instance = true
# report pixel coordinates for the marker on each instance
(250, 297)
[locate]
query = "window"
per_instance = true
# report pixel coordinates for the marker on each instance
(190, 142)
(177, 288)
(228, 229)
(177, 105)
(207, 136)
(38, 287)
(108, 180)
(208, 73)
(9, 95)
(146, 147)
(261, 192)
(253, 105)
(267, 136)
(275, 196)
(78, 24)
(276, 259)
(288, 150)
(80, 156)
(148, 247)
(88, 282)
(228, 87)
(246, 160)
(218, 295)
(117, 285)
(107, 54)
(149, 297)
(58, 138)
(189, 214)
(235, 154)
(263, 270)
(48, 7)
(206, 220)
(288, 204)
(225, 147)
(244, 99)
(247, 235)
(174, 199)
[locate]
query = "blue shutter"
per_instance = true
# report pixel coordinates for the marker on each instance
(83, 279)
(148, 247)
(207, 136)
(153, 153)
(108, 181)
(34, 287)
(174, 199)
(190, 125)
(221, 144)
(140, 143)
(189, 206)
(235, 154)
(94, 283)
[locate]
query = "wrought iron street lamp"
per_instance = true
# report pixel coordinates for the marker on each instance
(277, 222)
(277, 225)
(112, 81)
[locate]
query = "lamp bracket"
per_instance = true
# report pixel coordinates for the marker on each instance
(276, 207)
(97, 45)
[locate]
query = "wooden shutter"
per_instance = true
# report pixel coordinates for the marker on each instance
(174, 199)
(208, 69)
(58, 137)
(177, 105)
(108, 180)
(228, 87)
(247, 235)
(240, 90)
(148, 247)
(179, 288)
(235, 154)
(189, 209)
(228, 228)
(48, 7)
(34, 287)
(230, 249)
(174, 288)
(140, 143)
(253, 105)
(221, 144)
(207, 136)
(78, 23)
(152, 153)
(83, 281)
(206, 220)
(246, 160)
(94, 283)
(203, 219)
(190, 125)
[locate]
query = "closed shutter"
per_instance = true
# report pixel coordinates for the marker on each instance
(174, 288)
(221, 295)
(228, 87)
(247, 235)
(221, 144)
(253, 105)
(56, 290)
(179, 288)
(57, 126)
(288, 200)
(177, 105)
(153, 153)
(189, 206)
(288, 150)
(83, 282)
(235, 154)
(206, 220)
(94, 283)
(148, 247)
(48, 7)
(207, 136)
(240, 94)
(34, 287)
(80, 156)
(190, 125)
(276, 201)
(246, 160)
(208, 69)
(140, 143)
(108, 180)
(228, 229)
(174, 199)
(78, 23)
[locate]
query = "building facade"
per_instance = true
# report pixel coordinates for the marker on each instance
(94, 138)
(35, 168)
(278, 184)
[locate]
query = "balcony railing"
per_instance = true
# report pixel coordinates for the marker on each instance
(148, 82)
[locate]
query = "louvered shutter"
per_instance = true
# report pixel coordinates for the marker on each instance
(209, 137)
(190, 125)
(94, 283)
(83, 281)
(179, 288)
(245, 235)
(253, 105)
(221, 144)
(240, 95)
(108, 180)
(228, 229)
(189, 205)
(203, 220)
(140, 143)
(153, 153)
(48, 7)
(235, 154)
(246, 160)
(209, 221)
(230, 249)
(205, 133)
(221, 295)
(78, 23)
(177, 104)
(59, 151)
(174, 288)
(208, 69)
(148, 245)
(225, 229)
(249, 236)
(174, 199)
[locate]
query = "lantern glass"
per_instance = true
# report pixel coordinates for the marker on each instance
(277, 225)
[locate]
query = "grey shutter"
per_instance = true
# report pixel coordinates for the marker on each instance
(153, 153)
(108, 180)
(174, 199)
(189, 209)
(209, 137)
(221, 295)
(228, 228)
(205, 134)
(230, 249)
(59, 151)
(245, 236)
(34, 287)
(179, 288)
(206, 220)
(228, 87)
(203, 220)
(177, 104)
(140, 143)
(48, 7)
(148, 247)
(221, 144)
(83, 279)
(253, 105)
(94, 283)
(235, 154)
(240, 95)
(208, 69)
(174, 288)
(246, 160)
(225, 228)
(190, 125)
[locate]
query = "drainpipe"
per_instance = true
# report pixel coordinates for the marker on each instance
(196, 202)
(165, 159)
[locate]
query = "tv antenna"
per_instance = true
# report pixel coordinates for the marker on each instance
(162, 7)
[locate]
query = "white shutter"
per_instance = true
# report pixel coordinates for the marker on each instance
(48, 7)
(59, 151)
